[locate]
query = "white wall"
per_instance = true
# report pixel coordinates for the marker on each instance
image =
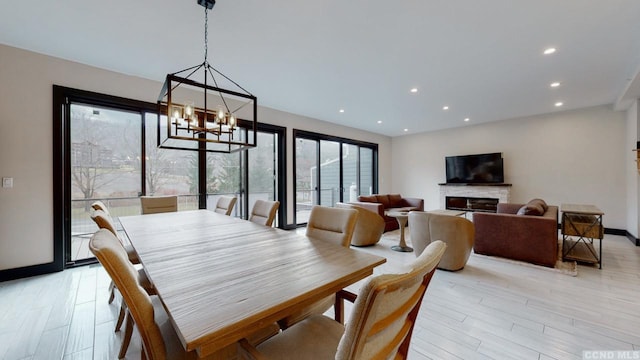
(26, 80)
(565, 157)
(633, 183)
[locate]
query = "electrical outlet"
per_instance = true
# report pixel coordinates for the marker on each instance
(7, 182)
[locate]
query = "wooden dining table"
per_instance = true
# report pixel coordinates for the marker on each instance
(220, 278)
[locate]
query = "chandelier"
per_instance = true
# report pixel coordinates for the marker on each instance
(202, 115)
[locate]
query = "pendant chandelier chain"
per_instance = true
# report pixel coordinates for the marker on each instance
(206, 34)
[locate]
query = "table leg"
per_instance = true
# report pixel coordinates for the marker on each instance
(402, 246)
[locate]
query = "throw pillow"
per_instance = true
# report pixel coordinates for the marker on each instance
(371, 198)
(539, 202)
(531, 209)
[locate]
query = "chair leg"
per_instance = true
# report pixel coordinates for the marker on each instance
(123, 308)
(112, 288)
(126, 339)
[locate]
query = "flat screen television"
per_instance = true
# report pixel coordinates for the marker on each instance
(475, 169)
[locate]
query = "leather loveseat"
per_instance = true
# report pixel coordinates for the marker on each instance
(524, 232)
(381, 203)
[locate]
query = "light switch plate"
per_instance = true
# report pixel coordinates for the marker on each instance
(7, 182)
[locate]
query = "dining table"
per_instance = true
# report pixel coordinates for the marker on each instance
(220, 277)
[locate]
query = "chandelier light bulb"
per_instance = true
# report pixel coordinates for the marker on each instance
(232, 121)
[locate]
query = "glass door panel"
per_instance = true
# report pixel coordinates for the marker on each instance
(306, 178)
(329, 173)
(224, 177)
(262, 168)
(366, 171)
(167, 171)
(349, 172)
(105, 165)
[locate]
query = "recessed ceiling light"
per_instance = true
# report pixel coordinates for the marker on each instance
(341, 110)
(549, 51)
(559, 103)
(466, 119)
(445, 108)
(379, 121)
(555, 84)
(406, 130)
(414, 90)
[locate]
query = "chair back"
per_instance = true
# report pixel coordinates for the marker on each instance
(264, 212)
(457, 232)
(369, 227)
(158, 204)
(99, 205)
(104, 221)
(108, 250)
(225, 205)
(385, 311)
(332, 224)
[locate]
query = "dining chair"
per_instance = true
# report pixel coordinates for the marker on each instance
(264, 212)
(158, 204)
(225, 205)
(99, 205)
(104, 221)
(159, 339)
(333, 225)
(381, 323)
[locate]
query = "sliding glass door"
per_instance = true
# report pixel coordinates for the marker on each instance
(104, 165)
(330, 169)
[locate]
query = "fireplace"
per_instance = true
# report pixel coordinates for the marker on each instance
(471, 203)
(480, 197)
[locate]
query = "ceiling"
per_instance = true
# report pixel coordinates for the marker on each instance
(483, 59)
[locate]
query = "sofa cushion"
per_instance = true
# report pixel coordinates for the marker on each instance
(531, 209)
(384, 200)
(395, 200)
(541, 203)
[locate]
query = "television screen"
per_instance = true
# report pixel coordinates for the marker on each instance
(475, 169)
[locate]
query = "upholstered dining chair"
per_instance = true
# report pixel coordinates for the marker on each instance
(99, 205)
(225, 205)
(380, 326)
(158, 204)
(104, 221)
(334, 225)
(159, 340)
(264, 212)
(457, 232)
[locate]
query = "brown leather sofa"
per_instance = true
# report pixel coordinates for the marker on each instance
(381, 203)
(520, 232)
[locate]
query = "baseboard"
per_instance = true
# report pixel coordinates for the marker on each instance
(27, 271)
(632, 238)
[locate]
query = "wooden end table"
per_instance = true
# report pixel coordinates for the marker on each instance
(583, 222)
(402, 217)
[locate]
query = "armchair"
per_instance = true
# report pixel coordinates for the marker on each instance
(380, 204)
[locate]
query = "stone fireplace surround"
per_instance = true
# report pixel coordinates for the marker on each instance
(501, 192)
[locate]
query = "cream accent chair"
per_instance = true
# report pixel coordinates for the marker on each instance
(327, 224)
(158, 204)
(457, 232)
(225, 205)
(159, 340)
(264, 212)
(369, 227)
(380, 326)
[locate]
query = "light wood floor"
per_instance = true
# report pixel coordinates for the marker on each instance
(490, 310)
